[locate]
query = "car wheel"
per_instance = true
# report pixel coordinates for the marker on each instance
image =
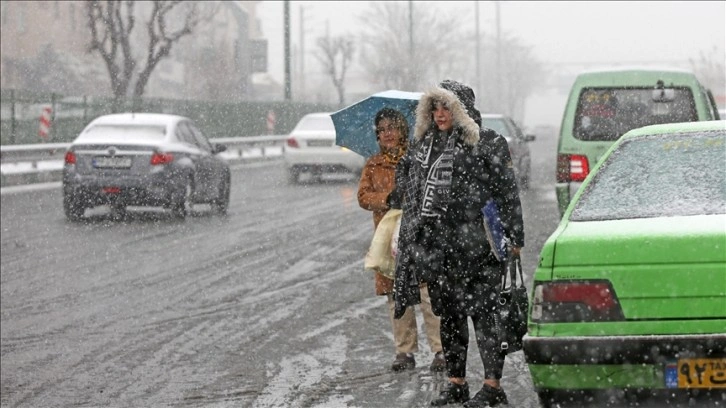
(74, 209)
(524, 182)
(221, 203)
(545, 399)
(293, 176)
(118, 211)
(183, 204)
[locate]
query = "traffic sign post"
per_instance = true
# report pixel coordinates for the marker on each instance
(45, 122)
(271, 122)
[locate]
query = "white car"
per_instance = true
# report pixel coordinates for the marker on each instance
(311, 149)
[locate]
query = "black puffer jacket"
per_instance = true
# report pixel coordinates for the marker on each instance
(456, 255)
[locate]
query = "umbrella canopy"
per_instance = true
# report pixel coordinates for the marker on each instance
(355, 127)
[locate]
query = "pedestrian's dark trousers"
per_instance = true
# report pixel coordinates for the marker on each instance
(455, 342)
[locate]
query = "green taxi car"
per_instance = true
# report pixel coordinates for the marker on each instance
(630, 290)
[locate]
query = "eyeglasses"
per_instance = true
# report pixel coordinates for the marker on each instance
(389, 128)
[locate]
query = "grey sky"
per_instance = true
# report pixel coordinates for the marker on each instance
(661, 33)
(566, 31)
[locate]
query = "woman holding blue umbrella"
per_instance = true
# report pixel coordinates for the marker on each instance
(375, 186)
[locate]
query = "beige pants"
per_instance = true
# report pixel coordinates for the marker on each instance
(405, 330)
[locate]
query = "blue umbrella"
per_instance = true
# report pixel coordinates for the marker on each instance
(355, 127)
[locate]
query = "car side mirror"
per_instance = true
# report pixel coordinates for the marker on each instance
(218, 148)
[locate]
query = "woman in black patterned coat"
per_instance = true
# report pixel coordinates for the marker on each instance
(452, 168)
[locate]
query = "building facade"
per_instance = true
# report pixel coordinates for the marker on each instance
(45, 48)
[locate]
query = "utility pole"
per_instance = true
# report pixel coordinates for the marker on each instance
(411, 80)
(302, 56)
(478, 46)
(499, 105)
(288, 82)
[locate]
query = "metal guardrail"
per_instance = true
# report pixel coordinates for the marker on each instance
(24, 164)
(51, 151)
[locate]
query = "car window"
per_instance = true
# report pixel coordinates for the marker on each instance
(498, 125)
(123, 132)
(200, 138)
(184, 134)
(712, 105)
(608, 113)
(315, 123)
(678, 175)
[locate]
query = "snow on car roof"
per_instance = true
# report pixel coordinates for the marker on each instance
(129, 128)
(138, 119)
(635, 68)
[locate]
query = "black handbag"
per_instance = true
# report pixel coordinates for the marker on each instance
(513, 307)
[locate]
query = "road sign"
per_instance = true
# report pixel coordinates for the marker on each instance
(44, 128)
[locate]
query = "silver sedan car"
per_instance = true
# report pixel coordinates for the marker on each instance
(518, 144)
(144, 159)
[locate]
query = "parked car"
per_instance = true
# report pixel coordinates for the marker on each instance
(605, 104)
(518, 144)
(311, 149)
(144, 159)
(630, 290)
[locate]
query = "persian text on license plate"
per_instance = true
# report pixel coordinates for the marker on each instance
(700, 373)
(102, 162)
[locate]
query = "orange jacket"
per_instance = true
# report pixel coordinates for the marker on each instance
(376, 182)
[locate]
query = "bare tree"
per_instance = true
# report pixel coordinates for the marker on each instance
(522, 74)
(392, 59)
(441, 49)
(112, 24)
(710, 69)
(336, 55)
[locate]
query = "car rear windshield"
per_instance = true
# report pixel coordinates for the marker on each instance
(677, 175)
(315, 123)
(498, 125)
(605, 114)
(124, 133)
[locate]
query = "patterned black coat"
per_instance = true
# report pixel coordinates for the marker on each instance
(451, 254)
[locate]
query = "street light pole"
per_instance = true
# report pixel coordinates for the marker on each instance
(410, 80)
(499, 106)
(302, 57)
(288, 82)
(478, 46)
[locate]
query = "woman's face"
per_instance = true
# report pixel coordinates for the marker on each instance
(389, 134)
(442, 117)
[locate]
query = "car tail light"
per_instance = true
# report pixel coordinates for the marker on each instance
(70, 158)
(161, 158)
(572, 167)
(292, 142)
(575, 301)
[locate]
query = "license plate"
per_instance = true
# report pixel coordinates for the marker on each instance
(102, 162)
(319, 143)
(699, 373)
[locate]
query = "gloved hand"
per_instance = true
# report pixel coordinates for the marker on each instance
(394, 199)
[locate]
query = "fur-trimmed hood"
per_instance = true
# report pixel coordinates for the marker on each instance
(461, 119)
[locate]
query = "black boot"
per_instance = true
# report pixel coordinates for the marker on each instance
(453, 393)
(403, 361)
(488, 396)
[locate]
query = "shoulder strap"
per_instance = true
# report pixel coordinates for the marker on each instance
(513, 265)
